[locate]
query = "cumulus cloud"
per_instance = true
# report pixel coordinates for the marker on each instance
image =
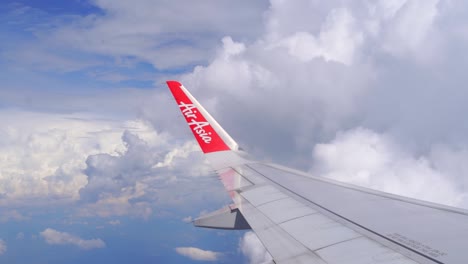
(198, 254)
(366, 158)
(54, 237)
(347, 65)
(108, 167)
(313, 95)
(404, 32)
(253, 249)
(129, 182)
(337, 40)
(43, 156)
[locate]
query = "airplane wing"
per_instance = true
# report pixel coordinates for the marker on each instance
(302, 218)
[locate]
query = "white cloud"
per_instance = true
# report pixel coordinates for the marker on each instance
(349, 64)
(253, 249)
(3, 247)
(363, 157)
(54, 237)
(43, 155)
(410, 26)
(198, 254)
(146, 171)
(338, 40)
(313, 96)
(110, 168)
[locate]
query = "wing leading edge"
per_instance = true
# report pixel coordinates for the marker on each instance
(301, 218)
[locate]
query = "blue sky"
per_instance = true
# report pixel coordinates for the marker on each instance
(44, 79)
(96, 163)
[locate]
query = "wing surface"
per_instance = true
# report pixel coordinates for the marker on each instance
(301, 218)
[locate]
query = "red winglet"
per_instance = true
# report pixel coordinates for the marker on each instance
(204, 133)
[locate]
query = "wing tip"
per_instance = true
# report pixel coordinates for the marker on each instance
(198, 119)
(173, 84)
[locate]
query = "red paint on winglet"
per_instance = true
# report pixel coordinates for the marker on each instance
(203, 132)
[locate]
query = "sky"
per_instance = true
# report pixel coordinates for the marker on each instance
(96, 163)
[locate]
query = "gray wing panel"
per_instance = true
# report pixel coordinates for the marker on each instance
(301, 218)
(281, 245)
(424, 232)
(293, 232)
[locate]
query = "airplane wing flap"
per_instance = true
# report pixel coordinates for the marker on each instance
(283, 247)
(263, 195)
(295, 209)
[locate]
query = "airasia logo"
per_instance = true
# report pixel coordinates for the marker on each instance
(190, 111)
